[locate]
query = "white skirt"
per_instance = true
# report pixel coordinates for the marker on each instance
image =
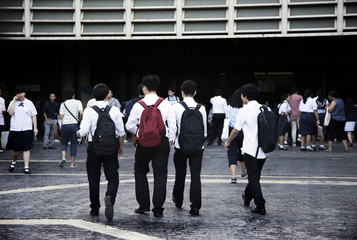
(350, 126)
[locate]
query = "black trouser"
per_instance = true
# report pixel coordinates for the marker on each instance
(159, 156)
(217, 127)
(253, 189)
(195, 161)
(111, 166)
(2, 128)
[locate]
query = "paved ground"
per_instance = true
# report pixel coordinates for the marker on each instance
(309, 196)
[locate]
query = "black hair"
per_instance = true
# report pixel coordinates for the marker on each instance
(284, 97)
(294, 89)
(319, 94)
(189, 87)
(51, 92)
(69, 93)
(250, 91)
(307, 94)
(100, 91)
(333, 94)
(19, 90)
(236, 99)
(350, 103)
(218, 92)
(152, 82)
(171, 89)
(140, 89)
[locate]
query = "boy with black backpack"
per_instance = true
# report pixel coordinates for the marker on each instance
(147, 121)
(105, 129)
(254, 156)
(191, 119)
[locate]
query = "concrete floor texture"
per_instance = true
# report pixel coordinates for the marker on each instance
(309, 195)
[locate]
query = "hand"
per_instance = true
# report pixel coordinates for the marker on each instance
(318, 122)
(47, 121)
(78, 134)
(226, 145)
(35, 131)
(171, 143)
(15, 98)
(120, 152)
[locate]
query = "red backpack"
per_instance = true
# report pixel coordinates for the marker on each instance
(152, 127)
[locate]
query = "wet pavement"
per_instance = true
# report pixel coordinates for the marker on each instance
(310, 195)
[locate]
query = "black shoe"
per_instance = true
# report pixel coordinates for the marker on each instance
(158, 212)
(62, 163)
(51, 148)
(44, 148)
(94, 212)
(109, 211)
(27, 170)
(351, 144)
(12, 167)
(260, 211)
(177, 204)
(194, 211)
(141, 210)
(246, 202)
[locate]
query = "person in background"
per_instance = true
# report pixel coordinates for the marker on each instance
(219, 109)
(234, 151)
(50, 113)
(171, 96)
(351, 118)
(71, 112)
(23, 127)
(112, 101)
(284, 120)
(308, 119)
(295, 114)
(2, 119)
(321, 110)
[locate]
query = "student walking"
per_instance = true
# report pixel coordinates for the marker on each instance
(295, 115)
(309, 118)
(2, 119)
(50, 113)
(171, 96)
(234, 151)
(219, 109)
(254, 161)
(154, 149)
(191, 120)
(351, 118)
(321, 110)
(95, 158)
(23, 126)
(284, 120)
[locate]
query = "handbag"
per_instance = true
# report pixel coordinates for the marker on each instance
(327, 118)
(225, 131)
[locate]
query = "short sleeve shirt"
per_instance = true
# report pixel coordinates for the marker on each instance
(74, 106)
(21, 120)
(2, 109)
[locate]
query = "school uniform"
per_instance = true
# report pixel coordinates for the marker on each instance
(247, 121)
(94, 162)
(283, 122)
(158, 155)
(180, 158)
(219, 109)
(234, 151)
(307, 117)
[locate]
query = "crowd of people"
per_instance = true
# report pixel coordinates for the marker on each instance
(157, 124)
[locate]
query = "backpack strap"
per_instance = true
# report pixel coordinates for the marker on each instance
(98, 110)
(158, 102)
(198, 106)
(184, 105)
(142, 103)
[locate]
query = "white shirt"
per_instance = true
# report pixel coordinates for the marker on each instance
(2, 109)
(247, 120)
(309, 106)
(285, 108)
(90, 118)
(21, 120)
(176, 112)
(219, 104)
(231, 114)
(172, 100)
(73, 105)
(135, 114)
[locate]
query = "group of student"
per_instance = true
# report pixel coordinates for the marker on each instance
(306, 116)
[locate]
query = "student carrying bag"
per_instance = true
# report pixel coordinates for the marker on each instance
(152, 127)
(191, 138)
(267, 130)
(104, 140)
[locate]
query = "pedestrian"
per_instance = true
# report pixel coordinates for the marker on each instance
(283, 122)
(351, 118)
(219, 108)
(308, 119)
(194, 114)
(50, 113)
(254, 160)
(158, 154)
(112, 101)
(71, 112)
(321, 110)
(2, 119)
(295, 115)
(337, 121)
(110, 160)
(171, 96)
(23, 127)
(234, 151)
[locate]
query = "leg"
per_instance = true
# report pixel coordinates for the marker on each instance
(220, 128)
(64, 140)
(308, 140)
(349, 136)
(242, 166)
(141, 168)
(195, 187)
(303, 137)
(14, 155)
(93, 165)
(47, 132)
(73, 139)
(52, 132)
(180, 161)
(26, 156)
(111, 166)
(213, 129)
(233, 168)
(293, 131)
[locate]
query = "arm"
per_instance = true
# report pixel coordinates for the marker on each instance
(34, 120)
(317, 117)
(171, 122)
(331, 107)
(85, 125)
(120, 151)
(12, 106)
(232, 136)
(133, 119)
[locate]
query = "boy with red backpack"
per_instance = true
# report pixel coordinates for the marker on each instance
(147, 121)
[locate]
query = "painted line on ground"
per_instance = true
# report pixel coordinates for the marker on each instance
(89, 226)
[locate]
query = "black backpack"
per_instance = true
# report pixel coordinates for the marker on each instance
(104, 140)
(191, 138)
(267, 130)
